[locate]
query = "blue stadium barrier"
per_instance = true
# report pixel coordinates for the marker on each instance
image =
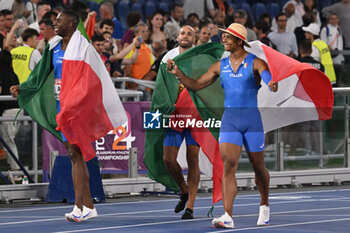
(61, 183)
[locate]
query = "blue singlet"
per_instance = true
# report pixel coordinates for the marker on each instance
(241, 122)
(57, 60)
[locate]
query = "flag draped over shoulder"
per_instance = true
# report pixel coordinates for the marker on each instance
(90, 105)
(305, 93)
(194, 63)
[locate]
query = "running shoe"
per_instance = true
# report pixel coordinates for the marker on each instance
(182, 203)
(225, 221)
(89, 213)
(264, 216)
(75, 216)
(188, 214)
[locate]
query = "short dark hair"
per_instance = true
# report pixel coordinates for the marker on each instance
(262, 25)
(173, 6)
(305, 47)
(74, 18)
(308, 18)
(42, 3)
(97, 37)
(133, 18)
(107, 22)
(6, 12)
(279, 15)
(47, 22)
(48, 15)
(29, 32)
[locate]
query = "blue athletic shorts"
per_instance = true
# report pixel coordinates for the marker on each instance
(58, 106)
(243, 127)
(174, 138)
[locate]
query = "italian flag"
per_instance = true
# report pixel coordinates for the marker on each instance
(90, 105)
(304, 94)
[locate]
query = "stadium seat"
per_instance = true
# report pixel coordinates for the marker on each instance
(239, 2)
(325, 3)
(137, 7)
(273, 9)
(123, 11)
(163, 6)
(93, 6)
(258, 9)
(246, 7)
(283, 2)
(150, 8)
(234, 6)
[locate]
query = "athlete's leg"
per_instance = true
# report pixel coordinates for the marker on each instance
(193, 174)
(230, 156)
(262, 177)
(80, 175)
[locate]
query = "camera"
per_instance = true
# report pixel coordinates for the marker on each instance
(140, 39)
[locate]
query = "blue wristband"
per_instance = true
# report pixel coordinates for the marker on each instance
(266, 76)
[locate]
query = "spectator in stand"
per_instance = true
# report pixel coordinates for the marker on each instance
(156, 29)
(285, 41)
(333, 37)
(219, 19)
(107, 12)
(341, 9)
(26, 57)
(241, 17)
(266, 17)
(192, 19)
(320, 51)
(170, 30)
(10, 40)
(19, 10)
(308, 18)
(98, 43)
(223, 5)
(47, 31)
(310, 6)
(41, 9)
(140, 59)
(8, 21)
(51, 15)
(299, 10)
(107, 25)
(132, 19)
(8, 129)
(204, 34)
(176, 17)
(158, 50)
(31, 7)
(263, 30)
(200, 7)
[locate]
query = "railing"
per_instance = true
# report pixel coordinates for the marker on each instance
(276, 156)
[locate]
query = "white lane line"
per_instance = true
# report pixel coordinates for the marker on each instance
(134, 225)
(281, 225)
(152, 211)
(170, 199)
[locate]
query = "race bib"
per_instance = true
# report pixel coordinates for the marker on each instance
(57, 89)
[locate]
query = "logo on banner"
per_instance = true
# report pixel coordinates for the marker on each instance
(151, 120)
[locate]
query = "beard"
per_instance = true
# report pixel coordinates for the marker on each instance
(185, 45)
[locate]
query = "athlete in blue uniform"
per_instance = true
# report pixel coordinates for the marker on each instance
(240, 75)
(65, 26)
